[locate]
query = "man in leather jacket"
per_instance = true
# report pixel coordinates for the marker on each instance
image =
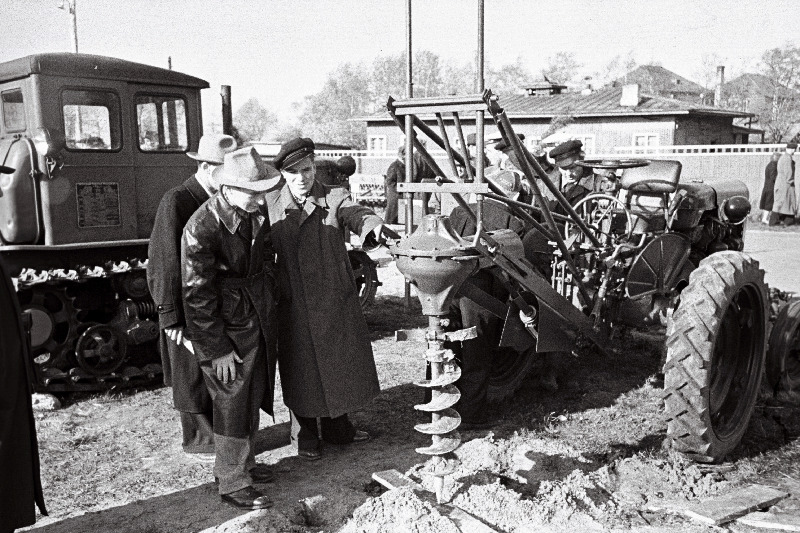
(229, 292)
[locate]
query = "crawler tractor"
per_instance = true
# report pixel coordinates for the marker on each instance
(652, 253)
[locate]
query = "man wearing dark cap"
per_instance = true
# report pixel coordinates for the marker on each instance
(229, 292)
(326, 362)
(577, 181)
(181, 369)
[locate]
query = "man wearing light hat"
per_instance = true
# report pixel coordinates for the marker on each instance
(229, 292)
(326, 362)
(181, 370)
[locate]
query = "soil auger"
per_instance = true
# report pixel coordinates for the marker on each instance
(437, 261)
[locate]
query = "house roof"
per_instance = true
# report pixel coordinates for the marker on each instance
(602, 103)
(655, 79)
(94, 66)
(754, 83)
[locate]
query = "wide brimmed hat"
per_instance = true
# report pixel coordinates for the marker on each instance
(294, 151)
(213, 147)
(245, 169)
(6, 170)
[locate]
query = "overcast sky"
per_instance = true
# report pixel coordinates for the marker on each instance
(281, 50)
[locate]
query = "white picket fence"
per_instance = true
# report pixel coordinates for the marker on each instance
(708, 163)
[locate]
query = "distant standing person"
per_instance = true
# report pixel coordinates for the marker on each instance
(768, 192)
(181, 368)
(785, 203)
(325, 356)
(395, 173)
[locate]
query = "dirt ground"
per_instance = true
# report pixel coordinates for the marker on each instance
(588, 457)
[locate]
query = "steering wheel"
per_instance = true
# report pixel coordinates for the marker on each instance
(612, 164)
(599, 212)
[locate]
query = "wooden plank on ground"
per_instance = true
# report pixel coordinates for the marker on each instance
(778, 520)
(392, 479)
(730, 506)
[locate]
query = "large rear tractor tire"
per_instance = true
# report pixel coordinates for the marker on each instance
(509, 371)
(716, 345)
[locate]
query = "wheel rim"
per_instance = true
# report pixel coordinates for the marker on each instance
(791, 376)
(100, 350)
(735, 363)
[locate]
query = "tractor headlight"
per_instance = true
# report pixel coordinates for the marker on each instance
(734, 210)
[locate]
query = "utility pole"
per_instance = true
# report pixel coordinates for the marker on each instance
(409, 139)
(69, 7)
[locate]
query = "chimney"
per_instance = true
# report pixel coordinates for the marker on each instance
(720, 83)
(630, 95)
(588, 89)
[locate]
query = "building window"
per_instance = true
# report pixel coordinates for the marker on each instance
(91, 120)
(376, 144)
(13, 110)
(645, 139)
(161, 123)
(588, 142)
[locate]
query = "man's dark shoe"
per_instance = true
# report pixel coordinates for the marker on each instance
(262, 474)
(247, 498)
(309, 455)
(361, 436)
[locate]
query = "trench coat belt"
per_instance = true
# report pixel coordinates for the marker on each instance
(239, 283)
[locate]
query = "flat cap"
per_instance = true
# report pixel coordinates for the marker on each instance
(566, 148)
(502, 145)
(791, 145)
(293, 151)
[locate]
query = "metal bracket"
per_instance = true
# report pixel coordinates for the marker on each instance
(442, 187)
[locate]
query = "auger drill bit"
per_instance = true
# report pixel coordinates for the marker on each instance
(437, 261)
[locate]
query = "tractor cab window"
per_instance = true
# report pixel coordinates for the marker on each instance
(91, 120)
(161, 122)
(13, 110)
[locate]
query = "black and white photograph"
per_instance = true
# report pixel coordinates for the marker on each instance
(402, 266)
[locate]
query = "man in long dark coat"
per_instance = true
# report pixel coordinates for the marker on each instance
(229, 291)
(181, 369)
(20, 485)
(326, 362)
(768, 192)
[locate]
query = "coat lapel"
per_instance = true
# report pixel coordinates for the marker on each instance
(314, 200)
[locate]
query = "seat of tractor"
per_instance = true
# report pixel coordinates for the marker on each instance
(647, 193)
(657, 178)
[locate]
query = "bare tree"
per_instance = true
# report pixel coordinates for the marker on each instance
(253, 120)
(782, 67)
(509, 78)
(615, 69)
(562, 68)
